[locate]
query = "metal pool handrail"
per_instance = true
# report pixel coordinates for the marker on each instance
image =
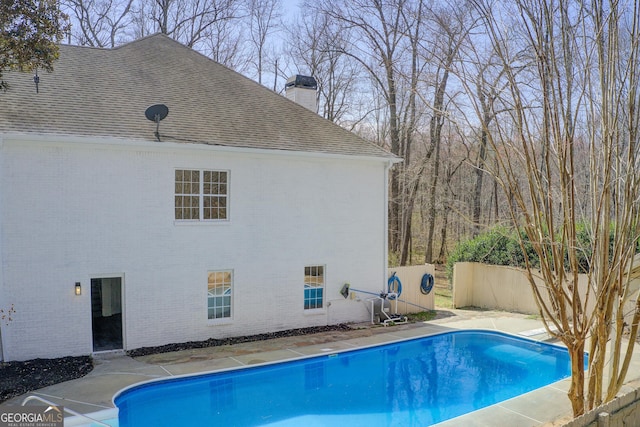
(71, 411)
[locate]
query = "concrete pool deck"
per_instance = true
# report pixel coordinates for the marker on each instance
(547, 406)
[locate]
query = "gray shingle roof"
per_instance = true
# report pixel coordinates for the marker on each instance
(105, 92)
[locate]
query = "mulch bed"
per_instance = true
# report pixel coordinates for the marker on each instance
(213, 342)
(17, 378)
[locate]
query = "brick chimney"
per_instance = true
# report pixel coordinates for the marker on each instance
(302, 90)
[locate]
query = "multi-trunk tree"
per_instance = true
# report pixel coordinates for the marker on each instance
(571, 71)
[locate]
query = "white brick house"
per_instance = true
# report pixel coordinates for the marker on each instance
(246, 216)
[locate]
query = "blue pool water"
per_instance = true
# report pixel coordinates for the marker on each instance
(416, 382)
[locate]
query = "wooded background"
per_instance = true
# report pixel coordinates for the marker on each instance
(421, 78)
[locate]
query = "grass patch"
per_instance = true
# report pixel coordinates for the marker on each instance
(423, 316)
(443, 298)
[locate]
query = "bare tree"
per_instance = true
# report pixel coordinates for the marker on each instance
(453, 25)
(456, 156)
(107, 23)
(487, 93)
(378, 35)
(264, 19)
(581, 62)
(414, 20)
(223, 40)
(314, 43)
(187, 21)
(100, 23)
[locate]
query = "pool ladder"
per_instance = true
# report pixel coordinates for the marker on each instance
(71, 411)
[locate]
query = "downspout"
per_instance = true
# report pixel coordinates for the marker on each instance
(3, 300)
(385, 228)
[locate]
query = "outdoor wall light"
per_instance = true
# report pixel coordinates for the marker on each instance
(78, 288)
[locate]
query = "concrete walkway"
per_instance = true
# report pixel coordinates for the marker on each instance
(93, 393)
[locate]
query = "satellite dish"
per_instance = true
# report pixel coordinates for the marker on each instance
(155, 113)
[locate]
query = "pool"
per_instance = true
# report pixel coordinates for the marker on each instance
(416, 382)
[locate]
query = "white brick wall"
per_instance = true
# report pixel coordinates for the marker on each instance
(73, 211)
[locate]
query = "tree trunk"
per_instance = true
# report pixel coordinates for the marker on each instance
(479, 172)
(431, 216)
(435, 136)
(413, 192)
(480, 167)
(442, 256)
(576, 390)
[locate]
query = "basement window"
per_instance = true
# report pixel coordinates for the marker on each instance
(313, 286)
(219, 292)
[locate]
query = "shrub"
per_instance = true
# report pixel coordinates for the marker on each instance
(497, 246)
(500, 246)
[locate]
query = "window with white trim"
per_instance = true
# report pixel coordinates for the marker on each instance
(219, 293)
(201, 195)
(313, 286)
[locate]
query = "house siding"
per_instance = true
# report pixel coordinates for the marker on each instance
(72, 211)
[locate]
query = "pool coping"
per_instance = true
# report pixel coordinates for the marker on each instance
(463, 419)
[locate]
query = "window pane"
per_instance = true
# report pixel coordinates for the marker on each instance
(195, 213)
(186, 200)
(215, 207)
(219, 293)
(313, 286)
(214, 182)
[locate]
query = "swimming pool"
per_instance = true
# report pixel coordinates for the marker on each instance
(416, 382)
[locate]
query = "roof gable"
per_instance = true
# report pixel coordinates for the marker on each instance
(105, 92)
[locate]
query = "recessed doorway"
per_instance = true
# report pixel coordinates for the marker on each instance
(106, 313)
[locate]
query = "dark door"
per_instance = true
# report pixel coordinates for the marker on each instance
(106, 313)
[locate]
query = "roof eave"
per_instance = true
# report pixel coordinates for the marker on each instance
(180, 146)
